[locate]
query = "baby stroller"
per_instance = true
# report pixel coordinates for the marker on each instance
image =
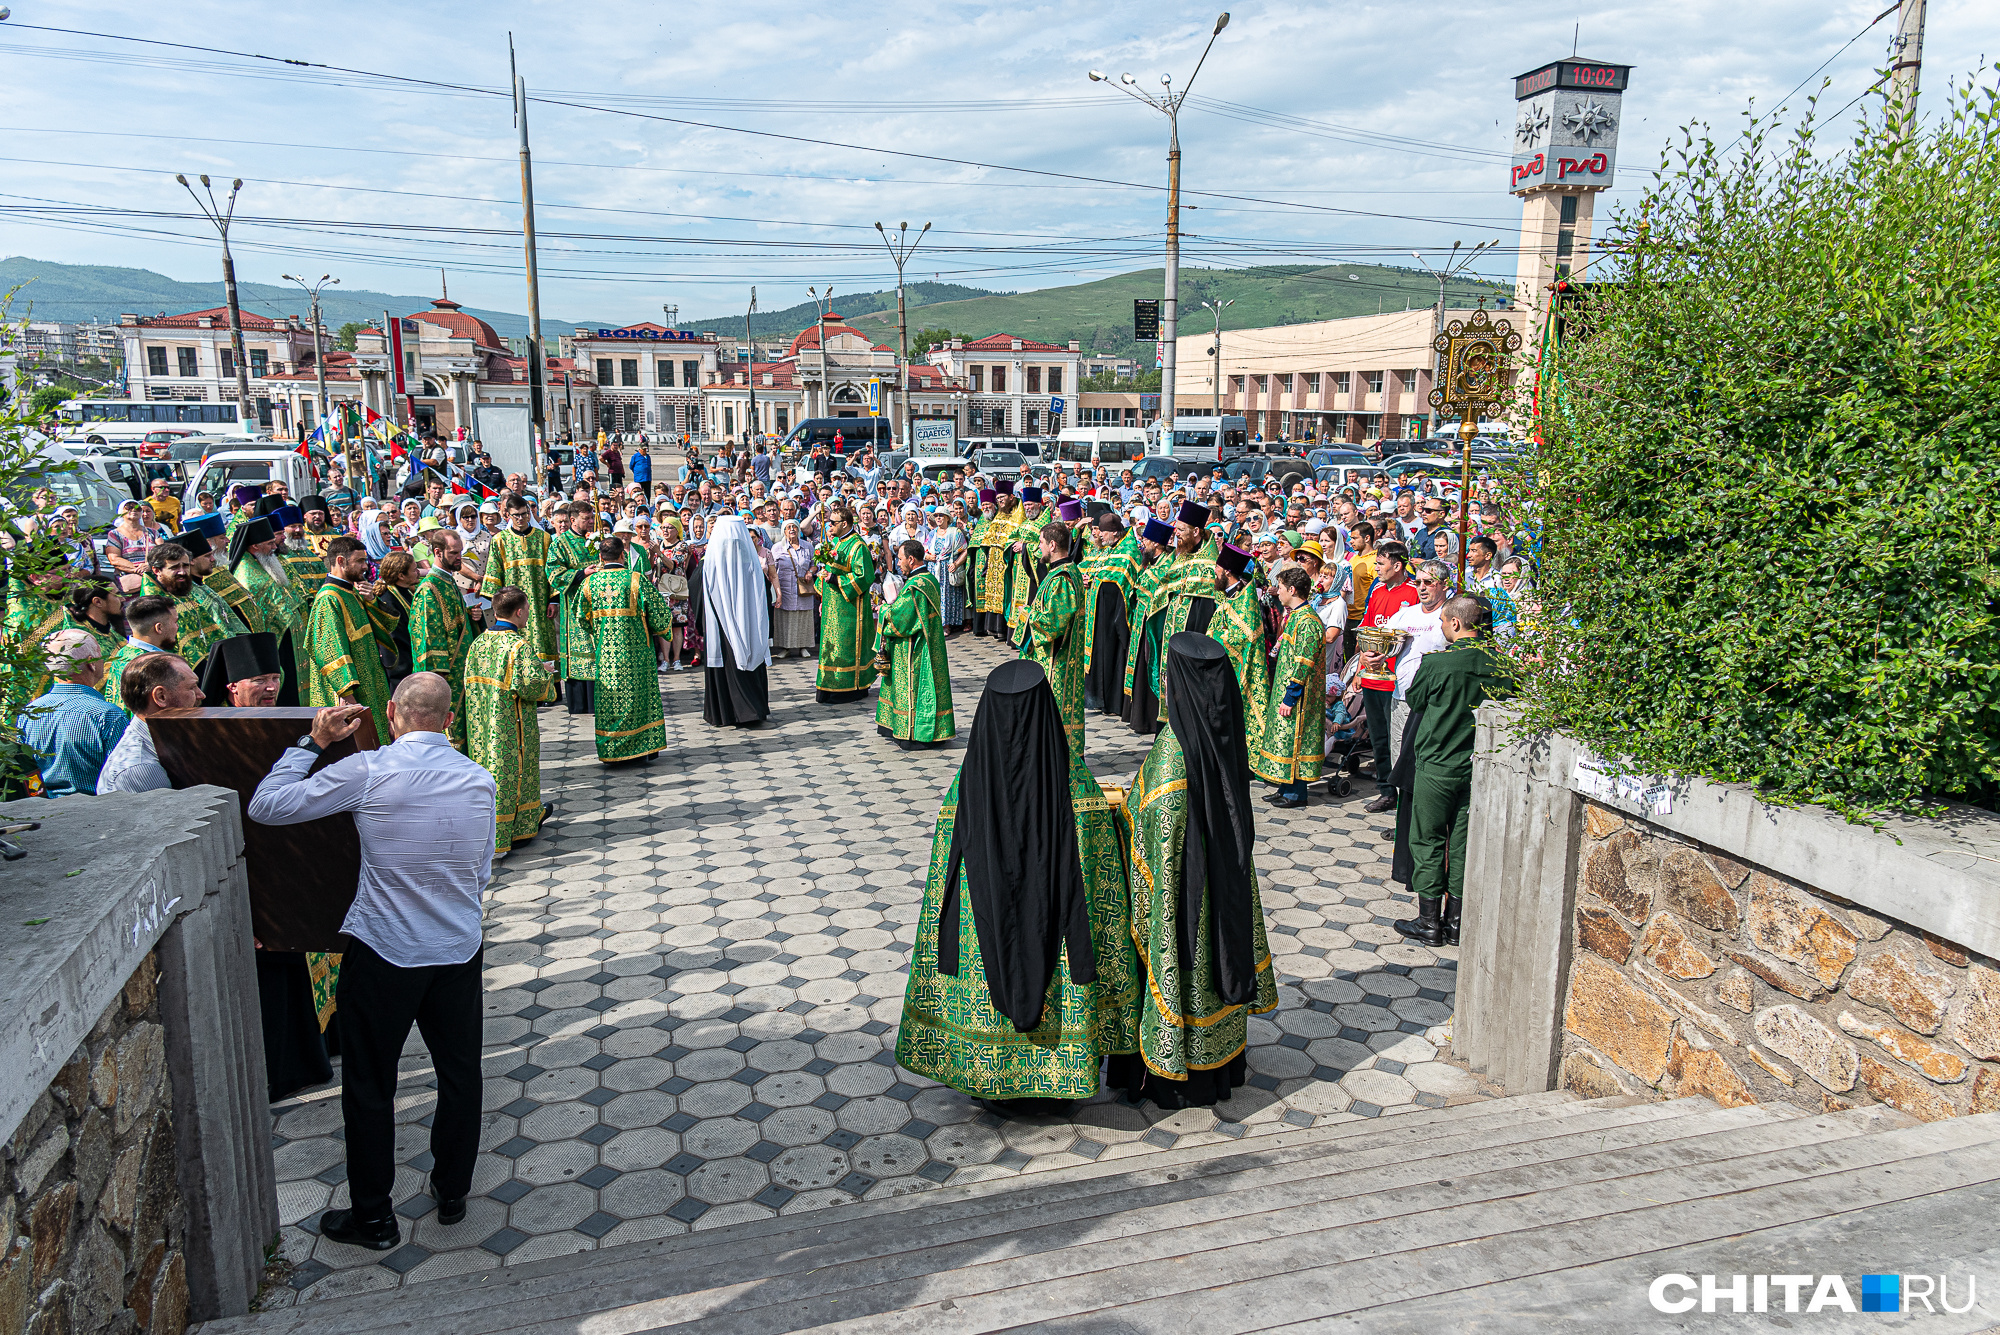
(1346, 736)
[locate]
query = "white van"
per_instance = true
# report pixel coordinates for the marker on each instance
(253, 467)
(1202, 439)
(1100, 445)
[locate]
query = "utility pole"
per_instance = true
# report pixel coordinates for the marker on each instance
(1216, 352)
(1169, 103)
(753, 361)
(221, 216)
(899, 251)
(319, 360)
(536, 364)
(1454, 265)
(1908, 50)
(825, 398)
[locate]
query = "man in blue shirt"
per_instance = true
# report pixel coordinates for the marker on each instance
(72, 728)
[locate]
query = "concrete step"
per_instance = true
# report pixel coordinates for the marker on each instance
(1062, 1243)
(1151, 1255)
(1036, 1192)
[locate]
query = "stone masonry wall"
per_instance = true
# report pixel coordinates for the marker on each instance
(91, 1216)
(1692, 973)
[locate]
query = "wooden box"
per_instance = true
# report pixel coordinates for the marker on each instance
(302, 877)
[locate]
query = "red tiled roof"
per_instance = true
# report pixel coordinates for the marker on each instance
(446, 314)
(1005, 343)
(219, 314)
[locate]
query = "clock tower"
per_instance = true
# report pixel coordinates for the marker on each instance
(1565, 152)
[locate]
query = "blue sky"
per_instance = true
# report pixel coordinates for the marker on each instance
(1364, 131)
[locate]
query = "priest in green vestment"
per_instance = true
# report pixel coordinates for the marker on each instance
(1228, 613)
(914, 706)
(570, 555)
(254, 563)
(519, 556)
(1196, 913)
(1187, 567)
(347, 632)
(1024, 976)
(1110, 579)
(174, 570)
(990, 539)
(847, 616)
(44, 603)
(1290, 746)
(305, 565)
(1054, 633)
(627, 620)
(440, 630)
(1024, 561)
(505, 679)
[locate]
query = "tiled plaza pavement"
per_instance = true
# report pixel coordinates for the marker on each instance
(693, 983)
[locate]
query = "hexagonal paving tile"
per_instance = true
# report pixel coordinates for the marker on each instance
(693, 980)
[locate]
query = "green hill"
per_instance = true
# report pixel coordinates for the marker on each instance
(82, 292)
(1099, 314)
(852, 305)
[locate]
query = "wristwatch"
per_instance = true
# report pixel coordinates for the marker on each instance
(306, 743)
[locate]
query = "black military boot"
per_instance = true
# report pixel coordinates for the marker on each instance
(1427, 928)
(1453, 906)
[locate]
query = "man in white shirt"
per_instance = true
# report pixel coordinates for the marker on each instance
(424, 814)
(153, 682)
(1422, 624)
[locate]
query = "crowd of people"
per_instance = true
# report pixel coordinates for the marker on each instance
(1254, 636)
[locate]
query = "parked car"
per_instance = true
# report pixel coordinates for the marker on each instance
(998, 463)
(932, 470)
(1255, 469)
(1322, 458)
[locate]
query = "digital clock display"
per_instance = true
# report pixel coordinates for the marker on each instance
(1571, 74)
(1607, 77)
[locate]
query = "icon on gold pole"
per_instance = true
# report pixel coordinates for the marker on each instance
(1472, 358)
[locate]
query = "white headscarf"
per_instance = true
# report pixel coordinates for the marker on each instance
(733, 589)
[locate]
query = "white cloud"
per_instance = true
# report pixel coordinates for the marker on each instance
(929, 81)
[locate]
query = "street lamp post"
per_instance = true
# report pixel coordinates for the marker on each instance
(899, 250)
(319, 359)
(221, 215)
(1169, 104)
(819, 298)
(1216, 352)
(1454, 265)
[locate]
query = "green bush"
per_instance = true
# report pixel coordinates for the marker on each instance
(1769, 485)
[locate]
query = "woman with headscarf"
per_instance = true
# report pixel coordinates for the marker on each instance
(736, 618)
(793, 630)
(1024, 976)
(1196, 913)
(377, 538)
(948, 563)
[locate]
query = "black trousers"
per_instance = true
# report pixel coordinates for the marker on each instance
(1378, 703)
(377, 1002)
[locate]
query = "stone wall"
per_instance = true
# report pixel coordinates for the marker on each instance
(136, 1184)
(1633, 933)
(90, 1199)
(1694, 973)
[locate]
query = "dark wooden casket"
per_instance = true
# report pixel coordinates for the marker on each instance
(302, 877)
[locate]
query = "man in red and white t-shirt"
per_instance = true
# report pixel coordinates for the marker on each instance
(1377, 674)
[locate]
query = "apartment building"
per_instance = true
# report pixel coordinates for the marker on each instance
(1364, 378)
